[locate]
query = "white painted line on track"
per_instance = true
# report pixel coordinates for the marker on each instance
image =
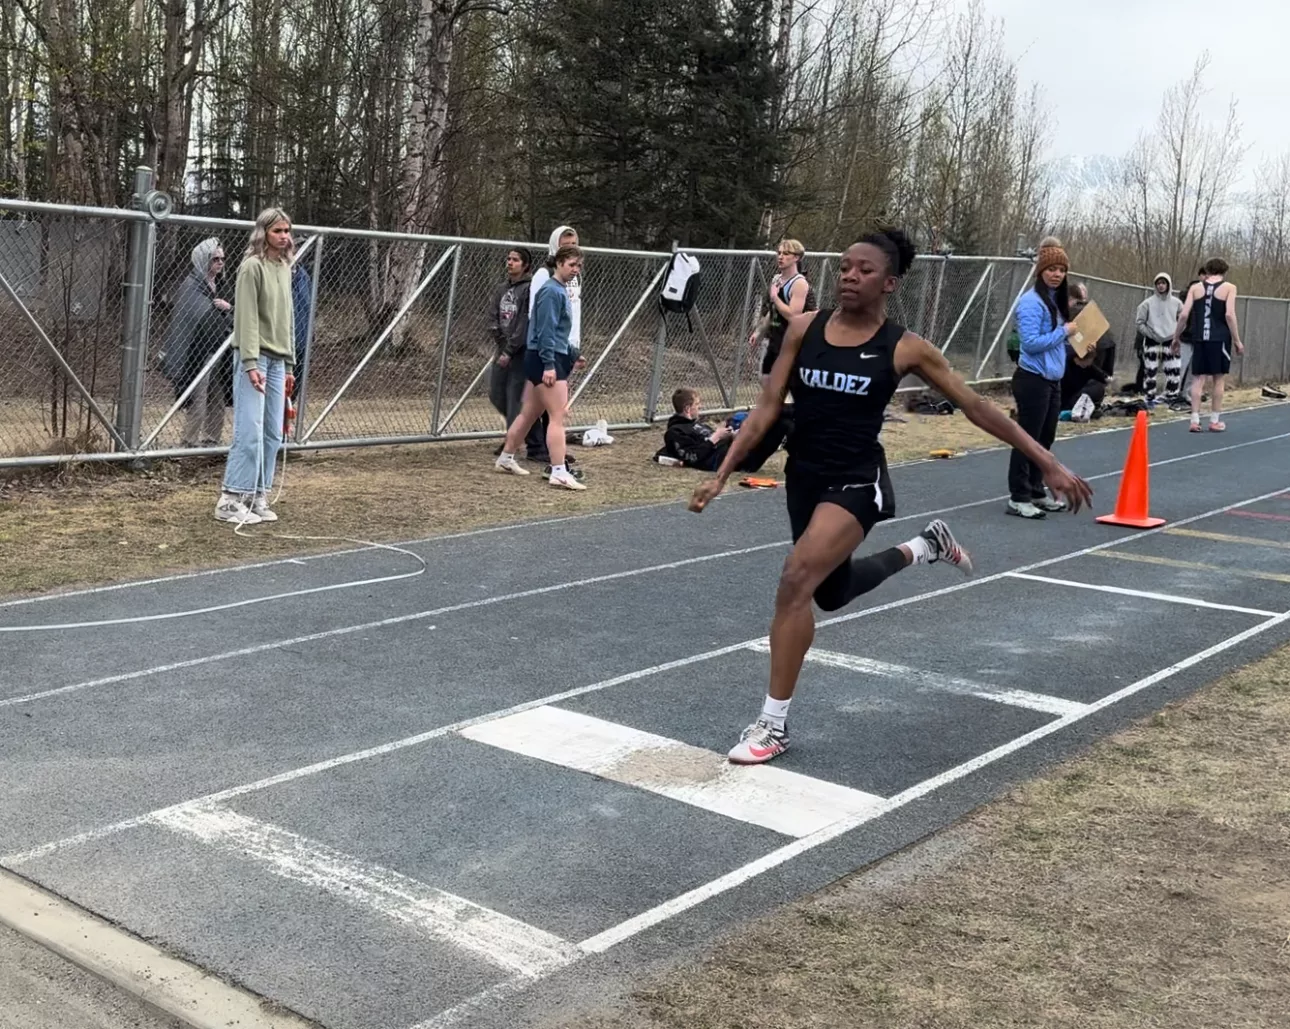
(923, 679)
(773, 798)
(299, 559)
(383, 623)
(510, 944)
(1167, 598)
(456, 1014)
(634, 926)
(538, 591)
(91, 835)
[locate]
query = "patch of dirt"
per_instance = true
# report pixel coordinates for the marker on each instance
(669, 766)
(1145, 884)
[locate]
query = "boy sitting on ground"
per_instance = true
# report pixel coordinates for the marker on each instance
(695, 444)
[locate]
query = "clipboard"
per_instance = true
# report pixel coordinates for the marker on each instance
(1090, 326)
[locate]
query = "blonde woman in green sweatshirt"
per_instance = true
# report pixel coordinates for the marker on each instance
(263, 336)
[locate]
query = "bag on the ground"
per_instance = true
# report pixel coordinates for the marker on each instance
(680, 286)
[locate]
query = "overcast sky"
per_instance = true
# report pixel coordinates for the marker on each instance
(1105, 63)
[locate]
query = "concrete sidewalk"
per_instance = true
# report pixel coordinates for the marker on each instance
(40, 990)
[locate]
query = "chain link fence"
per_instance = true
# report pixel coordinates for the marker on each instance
(395, 342)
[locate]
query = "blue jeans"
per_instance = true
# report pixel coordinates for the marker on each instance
(257, 428)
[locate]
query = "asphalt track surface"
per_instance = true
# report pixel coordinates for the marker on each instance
(487, 794)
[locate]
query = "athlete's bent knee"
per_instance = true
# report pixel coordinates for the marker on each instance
(797, 582)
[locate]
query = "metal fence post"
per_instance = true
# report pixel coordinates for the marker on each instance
(985, 315)
(447, 341)
(309, 338)
(936, 299)
(656, 370)
(1285, 346)
(135, 317)
(745, 329)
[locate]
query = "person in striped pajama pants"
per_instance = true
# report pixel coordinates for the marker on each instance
(1157, 319)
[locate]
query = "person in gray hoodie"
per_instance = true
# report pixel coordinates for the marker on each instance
(509, 321)
(1157, 319)
(199, 323)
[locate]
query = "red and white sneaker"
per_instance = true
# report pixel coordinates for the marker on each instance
(760, 742)
(1217, 427)
(945, 547)
(1195, 427)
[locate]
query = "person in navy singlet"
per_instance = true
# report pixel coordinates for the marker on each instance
(790, 294)
(842, 368)
(1208, 319)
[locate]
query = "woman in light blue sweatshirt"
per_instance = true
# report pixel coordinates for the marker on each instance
(1043, 326)
(548, 360)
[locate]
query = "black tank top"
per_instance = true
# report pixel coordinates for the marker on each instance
(1208, 322)
(840, 395)
(778, 325)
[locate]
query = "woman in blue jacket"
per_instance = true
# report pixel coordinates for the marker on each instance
(1043, 326)
(548, 360)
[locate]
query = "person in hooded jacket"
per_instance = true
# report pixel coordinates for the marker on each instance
(1156, 320)
(199, 324)
(509, 321)
(535, 442)
(696, 445)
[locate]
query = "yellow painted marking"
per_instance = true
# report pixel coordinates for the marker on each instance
(1223, 537)
(1169, 562)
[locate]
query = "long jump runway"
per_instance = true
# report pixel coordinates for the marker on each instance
(477, 796)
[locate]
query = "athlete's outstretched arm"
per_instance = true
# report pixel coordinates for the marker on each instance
(916, 355)
(761, 418)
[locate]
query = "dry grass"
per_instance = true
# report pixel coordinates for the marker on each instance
(93, 524)
(1146, 884)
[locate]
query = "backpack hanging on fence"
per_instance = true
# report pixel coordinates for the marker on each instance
(680, 286)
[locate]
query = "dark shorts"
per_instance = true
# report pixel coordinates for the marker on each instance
(533, 367)
(869, 499)
(768, 358)
(1211, 358)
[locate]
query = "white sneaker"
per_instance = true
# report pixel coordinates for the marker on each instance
(260, 508)
(757, 744)
(565, 480)
(507, 463)
(232, 508)
(1024, 509)
(1049, 503)
(945, 547)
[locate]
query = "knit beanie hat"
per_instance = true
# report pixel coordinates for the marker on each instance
(1051, 255)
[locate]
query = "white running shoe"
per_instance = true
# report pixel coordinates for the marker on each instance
(759, 743)
(260, 508)
(565, 480)
(945, 547)
(1024, 509)
(507, 463)
(1049, 503)
(232, 508)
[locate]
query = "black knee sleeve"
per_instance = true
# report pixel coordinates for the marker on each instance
(855, 577)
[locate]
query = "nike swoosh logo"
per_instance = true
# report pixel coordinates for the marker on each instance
(865, 357)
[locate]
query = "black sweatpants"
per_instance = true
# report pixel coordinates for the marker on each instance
(1039, 403)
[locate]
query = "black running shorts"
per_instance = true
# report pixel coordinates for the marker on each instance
(1211, 357)
(868, 498)
(533, 367)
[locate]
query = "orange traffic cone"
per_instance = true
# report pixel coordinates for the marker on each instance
(1134, 501)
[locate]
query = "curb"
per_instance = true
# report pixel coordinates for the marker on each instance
(166, 984)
